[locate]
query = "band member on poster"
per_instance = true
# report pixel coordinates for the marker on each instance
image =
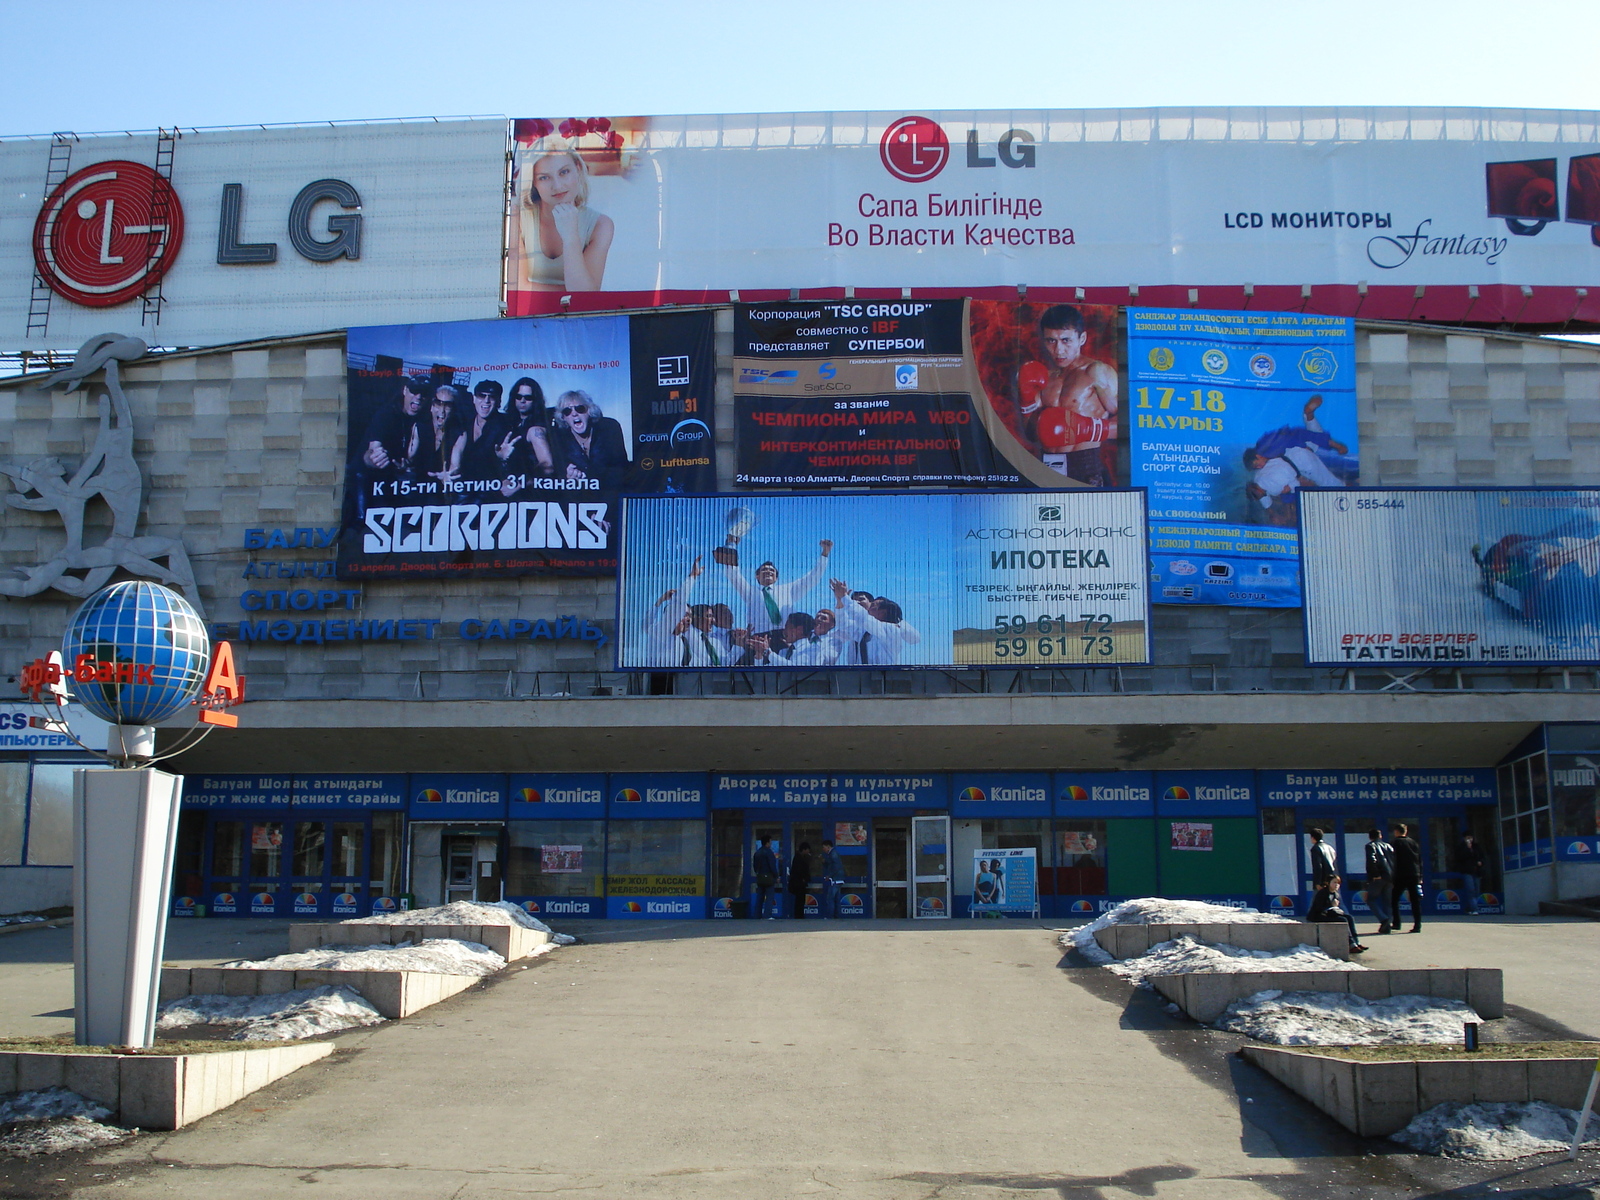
(530, 421)
(586, 443)
(1073, 398)
(875, 635)
(389, 440)
(486, 449)
(563, 242)
(769, 603)
(438, 440)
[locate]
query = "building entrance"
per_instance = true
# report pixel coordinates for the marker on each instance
(269, 863)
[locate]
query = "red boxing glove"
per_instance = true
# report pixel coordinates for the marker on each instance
(1053, 426)
(1030, 382)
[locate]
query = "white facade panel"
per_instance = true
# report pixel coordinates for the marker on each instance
(431, 232)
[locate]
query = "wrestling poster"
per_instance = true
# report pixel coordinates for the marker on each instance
(1487, 575)
(907, 393)
(500, 448)
(1232, 417)
(841, 581)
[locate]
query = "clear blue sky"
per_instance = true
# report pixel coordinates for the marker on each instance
(89, 65)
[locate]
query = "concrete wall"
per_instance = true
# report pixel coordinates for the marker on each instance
(27, 889)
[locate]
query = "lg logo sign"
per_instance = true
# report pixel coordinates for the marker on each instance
(915, 149)
(112, 230)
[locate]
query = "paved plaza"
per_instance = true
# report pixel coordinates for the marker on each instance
(879, 1060)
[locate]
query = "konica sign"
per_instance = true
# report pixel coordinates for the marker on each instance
(657, 795)
(1208, 793)
(457, 798)
(1105, 794)
(1000, 794)
(656, 908)
(556, 796)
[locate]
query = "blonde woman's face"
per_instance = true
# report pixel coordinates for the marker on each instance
(556, 180)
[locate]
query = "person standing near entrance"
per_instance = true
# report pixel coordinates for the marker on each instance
(1380, 879)
(1324, 866)
(1407, 874)
(764, 865)
(800, 878)
(1468, 863)
(832, 878)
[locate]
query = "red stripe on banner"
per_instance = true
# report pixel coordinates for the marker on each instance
(1530, 309)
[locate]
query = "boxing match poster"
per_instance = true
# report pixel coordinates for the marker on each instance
(926, 579)
(1231, 417)
(900, 393)
(500, 448)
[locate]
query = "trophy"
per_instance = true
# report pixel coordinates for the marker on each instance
(740, 521)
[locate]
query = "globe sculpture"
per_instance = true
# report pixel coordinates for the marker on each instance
(149, 648)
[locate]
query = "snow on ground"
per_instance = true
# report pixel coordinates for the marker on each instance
(465, 912)
(438, 956)
(1340, 1019)
(1185, 954)
(1490, 1131)
(298, 1014)
(21, 919)
(1153, 910)
(51, 1120)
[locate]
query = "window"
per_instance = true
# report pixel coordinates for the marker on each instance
(656, 858)
(385, 866)
(13, 811)
(1525, 810)
(556, 858)
(50, 816)
(1081, 851)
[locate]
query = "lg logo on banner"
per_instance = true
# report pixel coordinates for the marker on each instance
(915, 149)
(110, 232)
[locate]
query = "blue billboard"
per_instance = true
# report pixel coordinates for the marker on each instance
(1000, 794)
(237, 791)
(556, 796)
(349, 791)
(1232, 415)
(454, 797)
(654, 795)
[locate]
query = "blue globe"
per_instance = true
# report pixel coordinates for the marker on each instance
(157, 647)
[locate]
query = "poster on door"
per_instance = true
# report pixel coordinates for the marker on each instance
(1191, 835)
(561, 860)
(1005, 881)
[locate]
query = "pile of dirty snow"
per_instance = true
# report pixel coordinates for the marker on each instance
(1490, 1131)
(21, 919)
(52, 1120)
(1340, 1019)
(437, 956)
(298, 1014)
(1154, 910)
(465, 912)
(1185, 955)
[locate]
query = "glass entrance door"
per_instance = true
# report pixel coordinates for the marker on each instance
(930, 844)
(264, 865)
(891, 862)
(787, 837)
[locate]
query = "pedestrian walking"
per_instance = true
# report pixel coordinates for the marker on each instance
(832, 880)
(1407, 874)
(1324, 864)
(1380, 880)
(800, 878)
(764, 866)
(1468, 862)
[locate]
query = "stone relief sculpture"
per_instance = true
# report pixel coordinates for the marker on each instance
(108, 472)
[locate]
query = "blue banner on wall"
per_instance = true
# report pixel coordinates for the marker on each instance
(656, 795)
(1280, 788)
(890, 791)
(769, 791)
(556, 796)
(1104, 794)
(236, 791)
(1205, 793)
(349, 791)
(1000, 794)
(1230, 415)
(457, 798)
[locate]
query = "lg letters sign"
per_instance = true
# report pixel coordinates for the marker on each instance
(248, 233)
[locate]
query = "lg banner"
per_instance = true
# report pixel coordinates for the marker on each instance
(501, 447)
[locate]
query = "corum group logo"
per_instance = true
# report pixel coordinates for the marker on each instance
(108, 233)
(914, 149)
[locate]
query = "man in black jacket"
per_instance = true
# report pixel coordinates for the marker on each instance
(1468, 863)
(1407, 874)
(1380, 880)
(764, 866)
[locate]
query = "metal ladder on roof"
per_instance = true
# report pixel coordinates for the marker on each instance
(160, 221)
(55, 174)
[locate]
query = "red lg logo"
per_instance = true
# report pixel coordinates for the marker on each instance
(108, 233)
(914, 149)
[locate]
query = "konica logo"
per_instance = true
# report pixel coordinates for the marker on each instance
(1002, 795)
(1222, 793)
(1282, 904)
(571, 908)
(471, 796)
(668, 906)
(572, 796)
(672, 795)
(1124, 793)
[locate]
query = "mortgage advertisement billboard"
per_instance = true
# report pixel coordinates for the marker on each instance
(1386, 198)
(1232, 416)
(228, 235)
(875, 580)
(903, 393)
(501, 447)
(1508, 575)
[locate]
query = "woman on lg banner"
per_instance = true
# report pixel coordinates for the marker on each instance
(530, 422)
(562, 242)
